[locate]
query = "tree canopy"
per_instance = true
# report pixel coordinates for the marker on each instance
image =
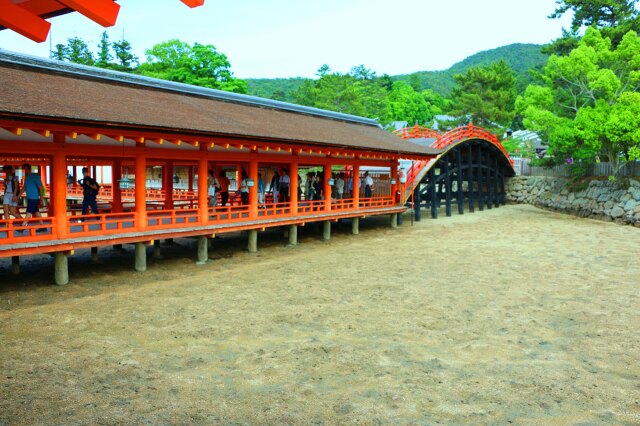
(486, 95)
(588, 106)
(200, 65)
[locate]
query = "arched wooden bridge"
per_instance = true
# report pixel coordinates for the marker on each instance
(471, 170)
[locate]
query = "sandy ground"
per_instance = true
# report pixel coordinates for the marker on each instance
(514, 315)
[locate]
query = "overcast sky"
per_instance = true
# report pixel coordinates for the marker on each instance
(289, 38)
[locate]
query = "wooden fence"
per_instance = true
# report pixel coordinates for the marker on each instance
(523, 167)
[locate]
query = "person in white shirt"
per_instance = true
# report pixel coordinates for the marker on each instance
(368, 185)
(340, 186)
(283, 191)
(244, 189)
(214, 187)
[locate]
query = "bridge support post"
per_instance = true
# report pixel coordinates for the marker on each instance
(471, 190)
(394, 220)
(416, 204)
(496, 193)
(326, 230)
(434, 193)
(503, 194)
(355, 225)
(293, 235)
(15, 265)
(459, 193)
(141, 257)
(61, 267)
(253, 241)
(480, 180)
(447, 185)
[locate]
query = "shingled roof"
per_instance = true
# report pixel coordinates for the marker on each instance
(34, 88)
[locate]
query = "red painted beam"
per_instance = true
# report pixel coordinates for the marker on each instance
(23, 22)
(193, 3)
(104, 12)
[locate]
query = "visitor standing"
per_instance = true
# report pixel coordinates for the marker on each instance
(11, 191)
(224, 188)
(33, 189)
(275, 184)
(285, 187)
(244, 189)
(368, 185)
(89, 192)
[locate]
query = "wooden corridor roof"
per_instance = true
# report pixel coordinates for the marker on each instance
(56, 92)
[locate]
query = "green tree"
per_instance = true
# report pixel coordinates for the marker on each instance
(589, 103)
(127, 61)
(60, 52)
(104, 56)
(359, 92)
(614, 18)
(200, 65)
(76, 50)
(405, 104)
(485, 95)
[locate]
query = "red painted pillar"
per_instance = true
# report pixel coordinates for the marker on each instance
(141, 189)
(58, 196)
(356, 185)
(190, 170)
(116, 192)
(293, 186)
(394, 176)
(203, 183)
(168, 195)
(327, 187)
(253, 191)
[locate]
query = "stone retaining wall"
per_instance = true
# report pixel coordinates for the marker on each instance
(600, 200)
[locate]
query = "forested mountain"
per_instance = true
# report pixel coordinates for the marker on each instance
(521, 57)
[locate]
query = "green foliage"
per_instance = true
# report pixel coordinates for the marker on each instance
(614, 18)
(485, 95)
(589, 105)
(405, 104)
(519, 147)
(199, 65)
(521, 58)
(76, 50)
(360, 92)
(281, 89)
(127, 61)
(104, 54)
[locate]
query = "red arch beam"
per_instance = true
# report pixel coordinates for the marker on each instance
(27, 17)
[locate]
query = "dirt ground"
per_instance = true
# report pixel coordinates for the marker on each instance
(513, 315)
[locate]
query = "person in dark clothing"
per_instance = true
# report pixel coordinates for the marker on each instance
(90, 192)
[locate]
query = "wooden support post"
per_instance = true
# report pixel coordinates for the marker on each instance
(327, 187)
(203, 250)
(417, 201)
(470, 180)
(326, 230)
(190, 171)
(58, 196)
(61, 267)
(394, 220)
(355, 225)
(168, 185)
(356, 186)
(203, 186)
(496, 194)
(253, 191)
(480, 179)
(141, 257)
(157, 253)
(294, 184)
(447, 185)
(116, 192)
(293, 235)
(503, 194)
(434, 193)
(94, 255)
(118, 247)
(140, 188)
(253, 241)
(394, 177)
(15, 265)
(459, 193)
(489, 182)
